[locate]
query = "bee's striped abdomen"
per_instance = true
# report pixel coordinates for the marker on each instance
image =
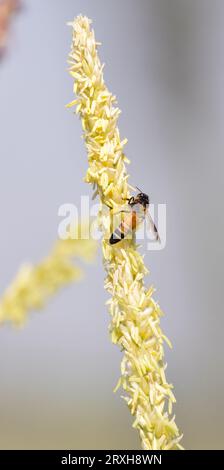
(124, 229)
(117, 236)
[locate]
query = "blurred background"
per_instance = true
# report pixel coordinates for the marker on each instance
(164, 61)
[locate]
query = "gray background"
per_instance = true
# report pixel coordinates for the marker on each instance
(164, 62)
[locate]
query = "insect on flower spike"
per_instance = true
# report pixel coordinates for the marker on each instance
(105, 152)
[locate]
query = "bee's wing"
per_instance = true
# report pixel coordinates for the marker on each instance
(152, 226)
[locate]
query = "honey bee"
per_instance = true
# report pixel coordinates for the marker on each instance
(135, 214)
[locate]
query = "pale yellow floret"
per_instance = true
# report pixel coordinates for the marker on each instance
(33, 285)
(135, 316)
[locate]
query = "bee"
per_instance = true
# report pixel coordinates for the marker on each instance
(136, 213)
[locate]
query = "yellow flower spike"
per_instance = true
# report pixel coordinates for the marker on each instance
(134, 314)
(33, 285)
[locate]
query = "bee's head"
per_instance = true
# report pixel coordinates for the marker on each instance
(143, 199)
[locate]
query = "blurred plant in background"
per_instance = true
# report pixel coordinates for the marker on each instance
(7, 9)
(135, 316)
(34, 285)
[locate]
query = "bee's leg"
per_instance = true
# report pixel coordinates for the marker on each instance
(108, 205)
(129, 199)
(121, 212)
